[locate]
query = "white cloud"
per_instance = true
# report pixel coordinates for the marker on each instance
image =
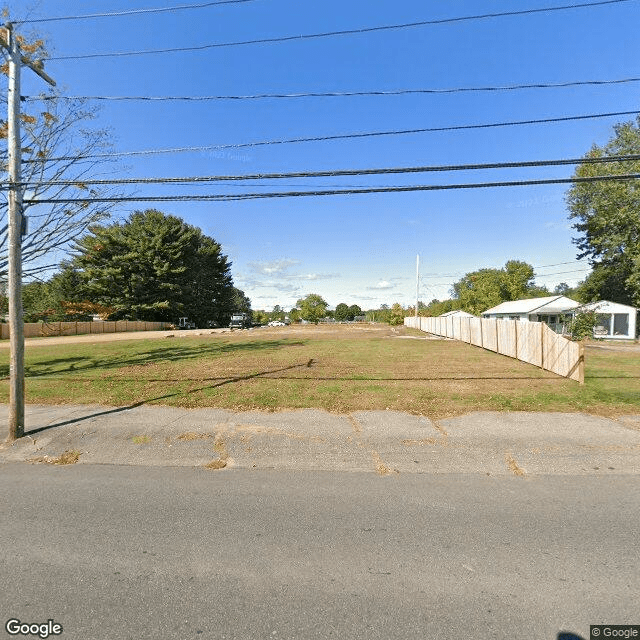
(314, 276)
(275, 267)
(383, 285)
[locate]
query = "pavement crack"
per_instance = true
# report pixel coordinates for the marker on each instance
(381, 468)
(439, 428)
(513, 465)
(221, 448)
(357, 427)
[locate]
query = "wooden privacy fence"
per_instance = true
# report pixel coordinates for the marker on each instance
(39, 329)
(532, 342)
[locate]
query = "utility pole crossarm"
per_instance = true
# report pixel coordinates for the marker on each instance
(37, 66)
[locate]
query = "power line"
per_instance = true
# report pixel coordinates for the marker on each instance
(343, 32)
(344, 136)
(536, 275)
(331, 192)
(132, 12)
(460, 273)
(335, 94)
(342, 172)
(558, 273)
(557, 264)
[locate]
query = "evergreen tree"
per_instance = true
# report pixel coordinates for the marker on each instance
(155, 267)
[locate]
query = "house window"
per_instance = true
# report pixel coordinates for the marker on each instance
(621, 324)
(603, 325)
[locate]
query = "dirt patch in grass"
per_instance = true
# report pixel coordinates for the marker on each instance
(340, 368)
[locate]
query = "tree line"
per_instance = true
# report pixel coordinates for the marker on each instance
(151, 266)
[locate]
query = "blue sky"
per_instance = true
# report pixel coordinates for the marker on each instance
(356, 249)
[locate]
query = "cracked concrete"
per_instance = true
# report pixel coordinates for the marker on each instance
(383, 442)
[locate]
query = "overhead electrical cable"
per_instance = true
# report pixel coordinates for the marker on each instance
(335, 94)
(132, 12)
(330, 192)
(461, 273)
(557, 273)
(332, 173)
(536, 275)
(343, 32)
(343, 136)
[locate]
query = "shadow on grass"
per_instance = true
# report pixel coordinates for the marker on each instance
(169, 353)
(266, 376)
(140, 403)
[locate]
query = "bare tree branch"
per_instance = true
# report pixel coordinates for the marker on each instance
(58, 131)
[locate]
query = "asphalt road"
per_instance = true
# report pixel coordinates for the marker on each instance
(114, 552)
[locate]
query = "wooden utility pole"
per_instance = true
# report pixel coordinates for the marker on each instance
(17, 228)
(417, 282)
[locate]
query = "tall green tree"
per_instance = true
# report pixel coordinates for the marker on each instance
(156, 267)
(354, 310)
(312, 308)
(397, 314)
(48, 301)
(480, 290)
(342, 312)
(241, 302)
(606, 216)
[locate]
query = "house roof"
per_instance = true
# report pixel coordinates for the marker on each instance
(606, 306)
(549, 304)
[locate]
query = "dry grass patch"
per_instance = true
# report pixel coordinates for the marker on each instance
(68, 457)
(513, 465)
(220, 447)
(192, 435)
(216, 464)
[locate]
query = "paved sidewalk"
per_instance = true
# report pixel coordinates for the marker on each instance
(384, 442)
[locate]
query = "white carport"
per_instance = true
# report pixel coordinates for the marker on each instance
(613, 320)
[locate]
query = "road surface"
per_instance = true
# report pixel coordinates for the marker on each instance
(112, 552)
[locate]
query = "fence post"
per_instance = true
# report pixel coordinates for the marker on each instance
(542, 345)
(581, 362)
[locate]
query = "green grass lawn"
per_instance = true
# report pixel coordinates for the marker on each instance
(341, 369)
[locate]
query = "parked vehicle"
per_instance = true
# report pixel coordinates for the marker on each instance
(276, 323)
(185, 323)
(240, 321)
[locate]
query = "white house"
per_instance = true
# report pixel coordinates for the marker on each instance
(553, 310)
(614, 320)
(458, 313)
